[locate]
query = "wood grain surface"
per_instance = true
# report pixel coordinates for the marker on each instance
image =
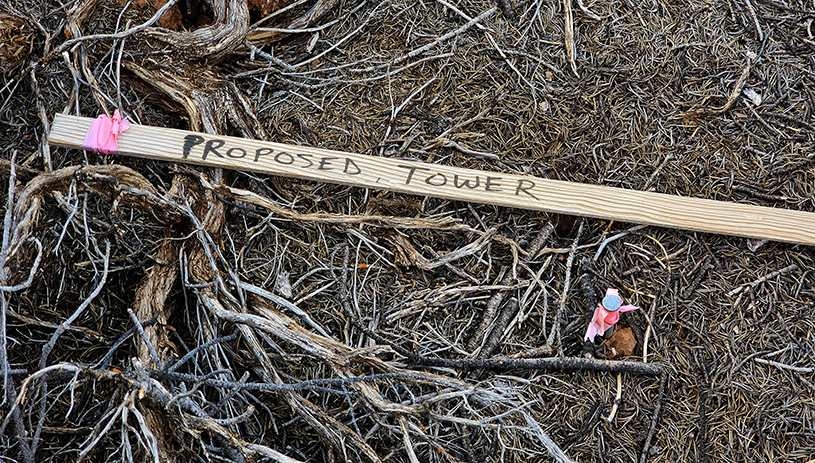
(405, 176)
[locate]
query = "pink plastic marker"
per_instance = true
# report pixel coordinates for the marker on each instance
(607, 314)
(104, 132)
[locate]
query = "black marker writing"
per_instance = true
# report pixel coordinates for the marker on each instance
(211, 147)
(262, 152)
(189, 142)
(526, 189)
(437, 179)
(236, 153)
(349, 163)
(325, 162)
(466, 183)
(488, 184)
(415, 174)
(305, 158)
(412, 171)
(284, 158)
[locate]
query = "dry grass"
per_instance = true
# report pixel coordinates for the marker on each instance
(274, 282)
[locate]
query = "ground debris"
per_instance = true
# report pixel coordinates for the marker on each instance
(154, 312)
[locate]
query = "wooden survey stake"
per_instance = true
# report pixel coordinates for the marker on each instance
(523, 192)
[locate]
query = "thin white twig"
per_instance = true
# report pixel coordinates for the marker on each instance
(463, 15)
(648, 331)
(616, 399)
(96, 436)
(406, 439)
(42, 112)
(784, 366)
(8, 217)
(512, 66)
(34, 267)
(568, 26)
(145, 429)
(120, 35)
(4, 274)
(35, 376)
(395, 112)
(64, 326)
(280, 301)
(755, 20)
(615, 237)
(555, 332)
(553, 449)
(277, 12)
(298, 31)
(253, 50)
(757, 282)
(588, 12)
(143, 335)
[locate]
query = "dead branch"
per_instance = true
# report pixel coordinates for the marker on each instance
(548, 363)
(406, 254)
(663, 379)
(119, 35)
(485, 327)
(227, 32)
(119, 183)
(260, 35)
(555, 332)
(568, 38)
(758, 281)
(46, 351)
(248, 197)
(210, 102)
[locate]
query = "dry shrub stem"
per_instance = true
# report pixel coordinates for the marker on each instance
(488, 326)
(46, 351)
(119, 35)
(285, 320)
(555, 334)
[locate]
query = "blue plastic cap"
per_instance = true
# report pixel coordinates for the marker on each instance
(612, 303)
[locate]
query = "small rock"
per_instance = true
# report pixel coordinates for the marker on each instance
(753, 96)
(623, 342)
(282, 285)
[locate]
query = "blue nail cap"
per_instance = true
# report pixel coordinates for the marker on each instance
(612, 303)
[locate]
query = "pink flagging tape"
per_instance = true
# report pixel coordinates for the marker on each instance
(455, 183)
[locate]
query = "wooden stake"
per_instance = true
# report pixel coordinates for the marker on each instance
(500, 189)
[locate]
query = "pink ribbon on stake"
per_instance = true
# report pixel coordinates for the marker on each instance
(607, 314)
(103, 134)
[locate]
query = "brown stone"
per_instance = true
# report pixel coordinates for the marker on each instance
(623, 342)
